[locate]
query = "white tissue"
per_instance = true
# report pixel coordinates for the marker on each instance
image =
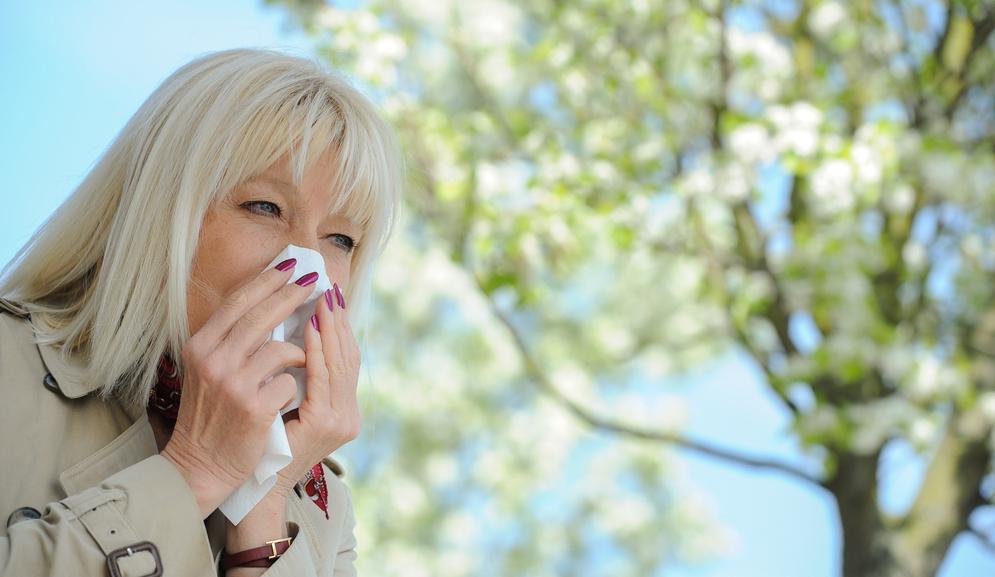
(277, 455)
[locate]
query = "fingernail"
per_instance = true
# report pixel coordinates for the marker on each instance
(328, 299)
(287, 264)
(314, 322)
(338, 295)
(307, 279)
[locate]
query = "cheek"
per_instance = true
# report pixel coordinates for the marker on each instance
(337, 270)
(229, 253)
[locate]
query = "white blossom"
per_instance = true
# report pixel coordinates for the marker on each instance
(751, 143)
(877, 420)
(460, 528)
(489, 23)
(900, 199)
(923, 431)
(657, 411)
(441, 469)
(796, 127)
(986, 404)
(407, 498)
(733, 183)
(915, 256)
(823, 419)
(896, 362)
(971, 245)
(832, 187)
(504, 183)
(772, 56)
(699, 182)
(942, 173)
(329, 16)
(868, 162)
(574, 382)
(827, 18)
(626, 512)
(932, 377)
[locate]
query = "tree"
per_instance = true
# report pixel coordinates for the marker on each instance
(634, 188)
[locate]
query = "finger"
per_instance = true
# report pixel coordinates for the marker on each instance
(257, 324)
(341, 317)
(278, 393)
(348, 348)
(343, 394)
(329, 336)
(347, 341)
(271, 358)
(240, 300)
(317, 389)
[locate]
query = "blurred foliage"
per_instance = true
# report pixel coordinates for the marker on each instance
(605, 194)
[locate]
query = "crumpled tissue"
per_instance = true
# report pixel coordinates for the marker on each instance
(278, 455)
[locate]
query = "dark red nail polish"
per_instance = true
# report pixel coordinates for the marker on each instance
(287, 264)
(314, 322)
(307, 279)
(328, 299)
(338, 295)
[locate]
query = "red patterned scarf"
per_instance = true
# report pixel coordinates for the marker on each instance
(165, 399)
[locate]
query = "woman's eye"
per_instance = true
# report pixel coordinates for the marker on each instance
(260, 207)
(346, 242)
(275, 212)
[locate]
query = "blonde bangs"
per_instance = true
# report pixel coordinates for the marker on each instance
(309, 118)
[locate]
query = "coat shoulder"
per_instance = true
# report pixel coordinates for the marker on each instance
(16, 334)
(334, 466)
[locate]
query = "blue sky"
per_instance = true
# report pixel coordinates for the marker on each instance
(74, 74)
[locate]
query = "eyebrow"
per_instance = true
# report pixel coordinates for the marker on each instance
(275, 180)
(287, 185)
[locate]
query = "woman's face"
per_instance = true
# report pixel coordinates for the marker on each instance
(240, 236)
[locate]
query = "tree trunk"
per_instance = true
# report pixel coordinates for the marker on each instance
(865, 545)
(916, 545)
(949, 493)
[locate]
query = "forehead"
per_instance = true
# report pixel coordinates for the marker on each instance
(318, 175)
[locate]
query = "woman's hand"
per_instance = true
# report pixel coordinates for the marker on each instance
(227, 407)
(328, 417)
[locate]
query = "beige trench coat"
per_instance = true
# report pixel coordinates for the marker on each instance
(81, 481)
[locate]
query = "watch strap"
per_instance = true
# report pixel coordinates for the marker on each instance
(262, 556)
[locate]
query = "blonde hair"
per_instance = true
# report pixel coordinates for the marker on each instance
(106, 274)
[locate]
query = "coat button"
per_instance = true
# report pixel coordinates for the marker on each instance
(51, 384)
(23, 514)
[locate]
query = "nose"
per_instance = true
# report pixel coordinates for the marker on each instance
(305, 240)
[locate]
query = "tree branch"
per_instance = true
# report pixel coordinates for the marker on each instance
(986, 541)
(717, 268)
(982, 30)
(605, 424)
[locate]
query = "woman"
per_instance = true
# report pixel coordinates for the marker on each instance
(152, 280)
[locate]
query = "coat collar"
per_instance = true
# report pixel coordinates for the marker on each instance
(131, 446)
(68, 373)
(67, 370)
